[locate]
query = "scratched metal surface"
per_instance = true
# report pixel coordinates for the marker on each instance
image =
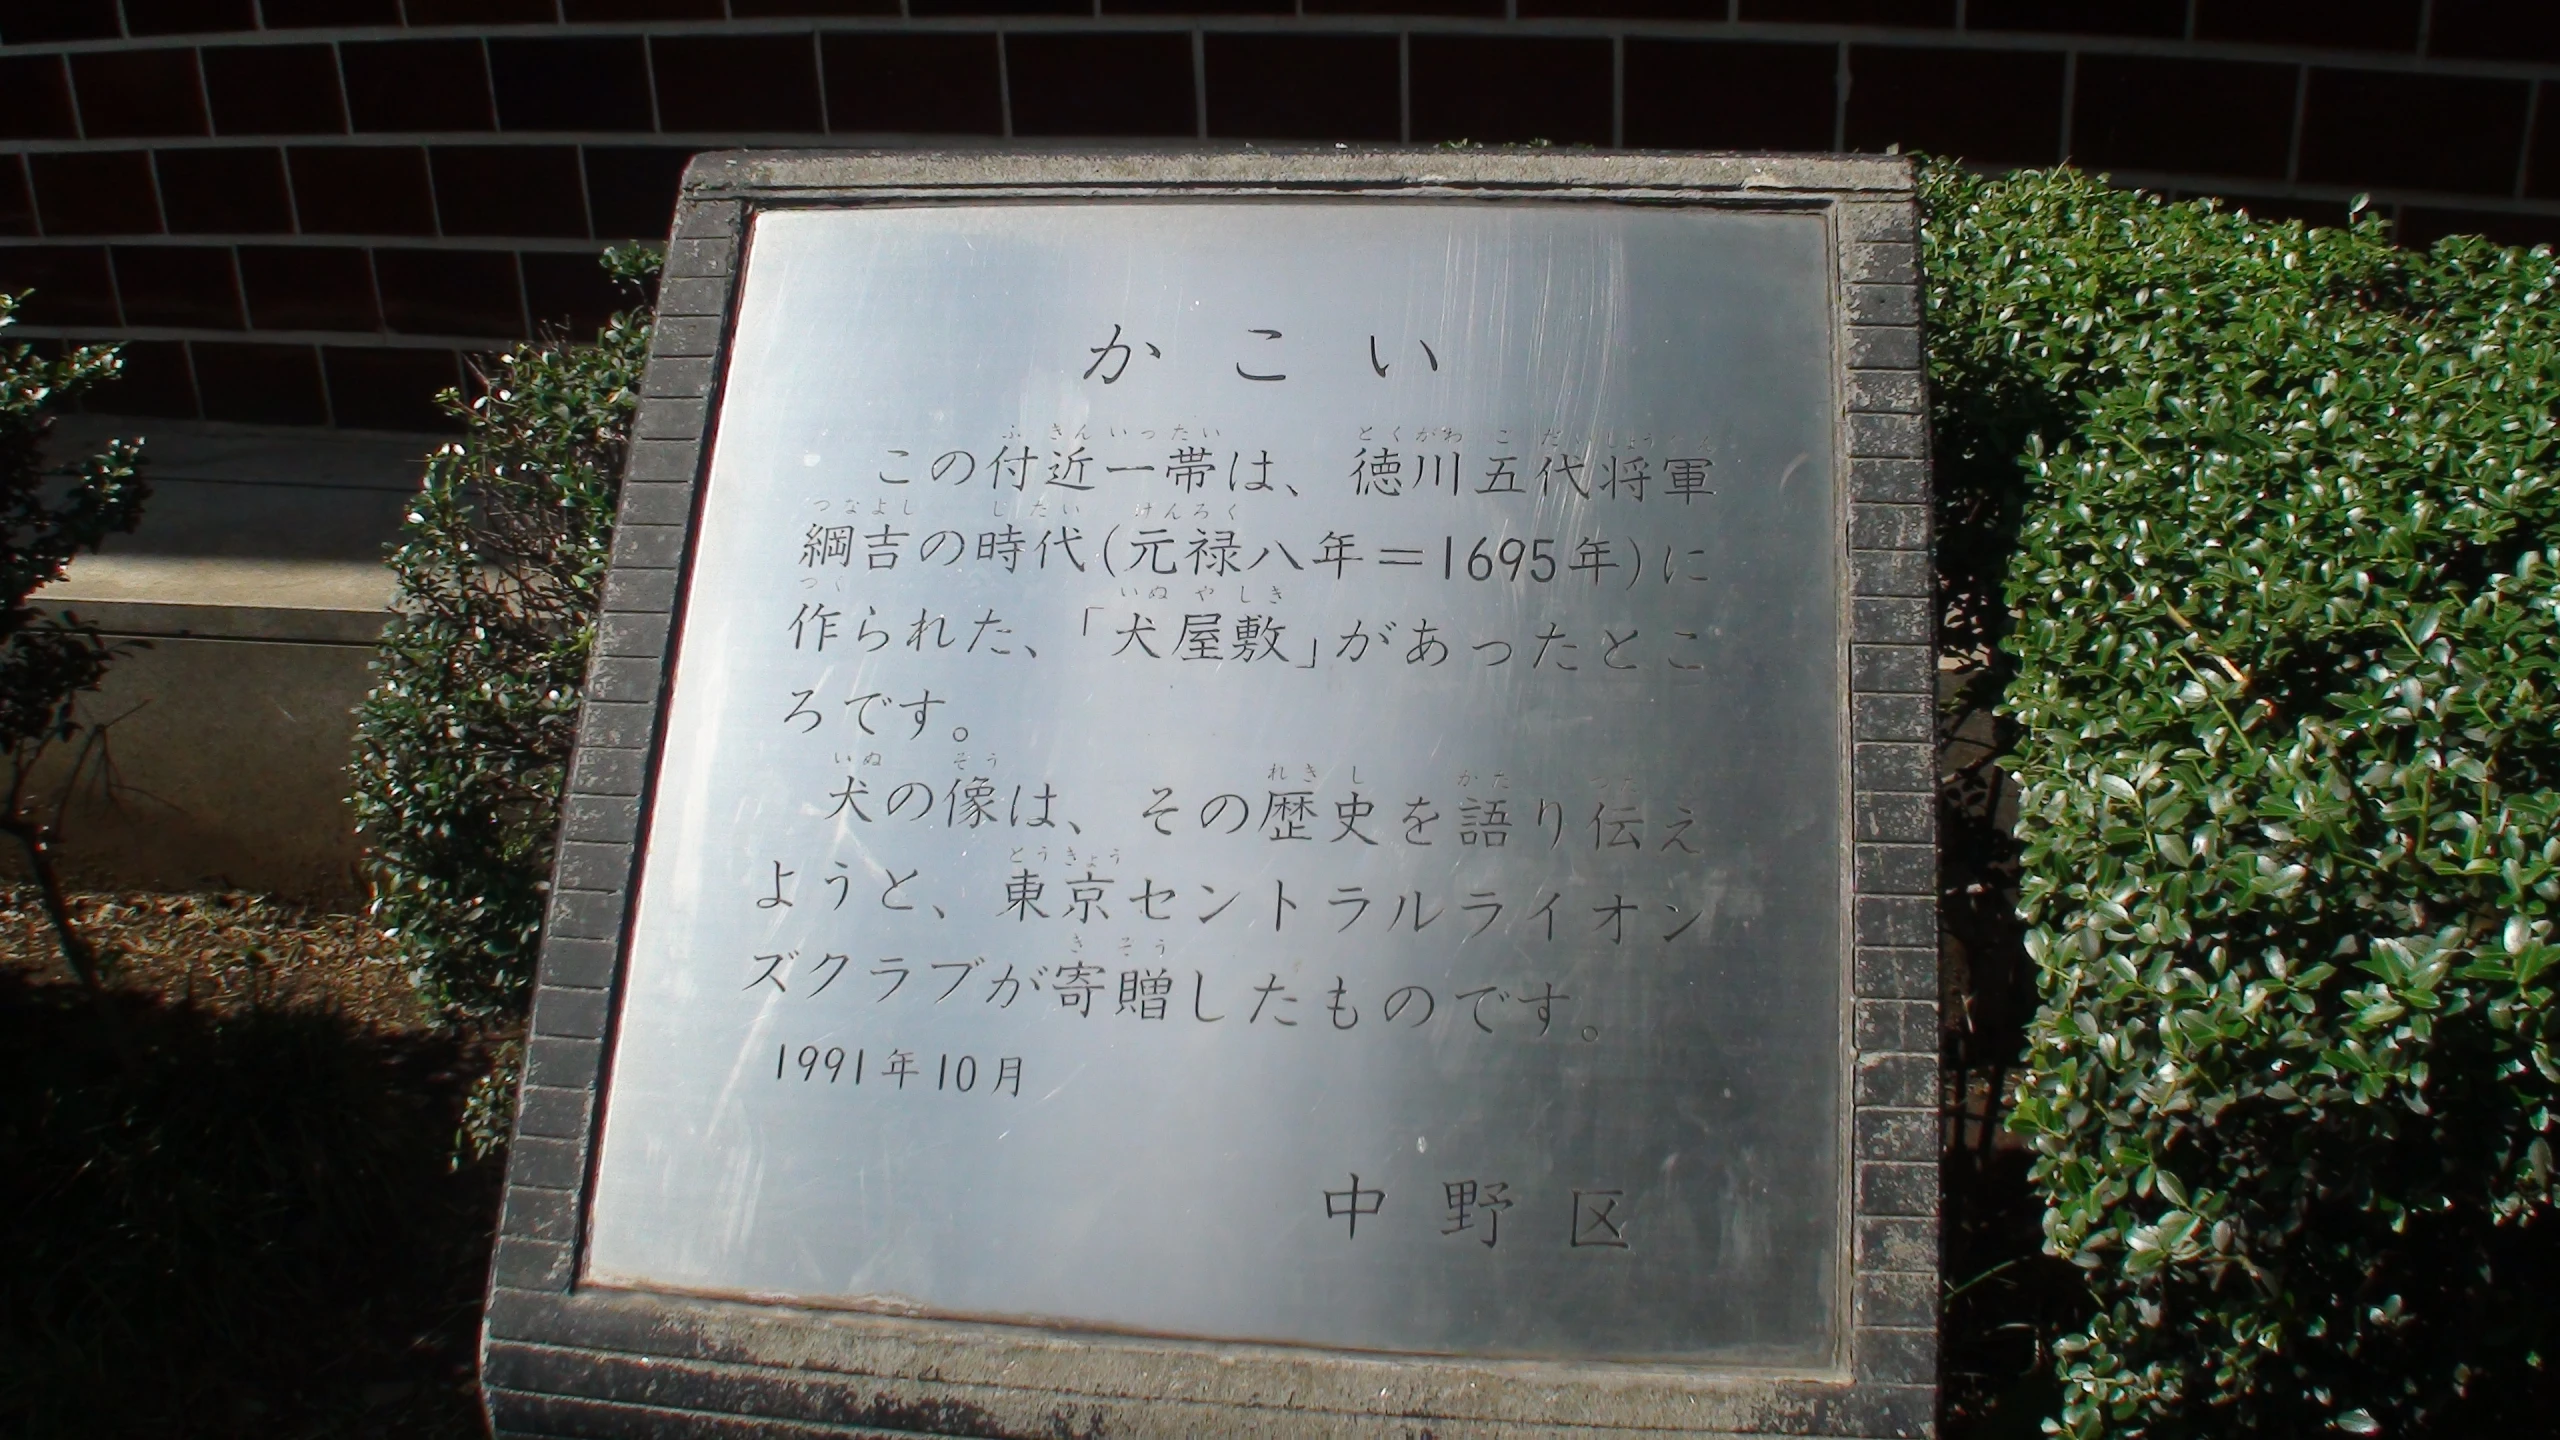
(1656, 1089)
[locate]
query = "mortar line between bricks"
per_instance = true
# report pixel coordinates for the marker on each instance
(1841, 82)
(1404, 87)
(2244, 186)
(2070, 97)
(1877, 36)
(2532, 119)
(344, 340)
(1004, 83)
(2293, 134)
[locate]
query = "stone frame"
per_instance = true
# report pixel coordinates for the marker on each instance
(561, 1358)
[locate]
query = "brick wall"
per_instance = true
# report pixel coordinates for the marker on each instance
(308, 211)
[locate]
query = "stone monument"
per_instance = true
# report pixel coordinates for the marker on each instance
(1278, 793)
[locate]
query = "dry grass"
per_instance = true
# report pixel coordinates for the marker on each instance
(224, 954)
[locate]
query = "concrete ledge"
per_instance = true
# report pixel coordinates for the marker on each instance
(219, 598)
(257, 590)
(294, 455)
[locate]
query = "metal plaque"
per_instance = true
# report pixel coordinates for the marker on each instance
(1257, 770)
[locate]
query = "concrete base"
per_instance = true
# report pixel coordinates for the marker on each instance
(227, 742)
(256, 588)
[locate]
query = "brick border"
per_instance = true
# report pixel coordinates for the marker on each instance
(558, 1358)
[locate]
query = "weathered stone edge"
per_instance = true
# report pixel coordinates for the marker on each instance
(847, 1368)
(780, 175)
(1894, 1289)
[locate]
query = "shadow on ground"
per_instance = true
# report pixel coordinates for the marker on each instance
(263, 1234)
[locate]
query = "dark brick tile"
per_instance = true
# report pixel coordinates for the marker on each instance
(188, 17)
(1486, 9)
(2210, 117)
(581, 83)
(1620, 10)
(2421, 226)
(155, 379)
(71, 283)
(17, 202)
(303, 287)
(450, 292)
(95, 192)
(509, 190)
(26, 21)
(178, 285)
(300, 14)
(631, 190)
(417, 85)
(1100, 84)
(225, 192)
(274, 90)
(2543, 179)
(1472, 87)
(2496, 30)
(1710, 95)
(582, 11)
(1934, 14)
(35, 98)
(1198, 7)
(378, 388)
(736, 83)
(2427, 132)
(571, 292)
(341, 191)
(138, 92)
(2330, 24)
(1993, 106)
(1303, 87)
(762, 9)
(938, 9)
(481, 12)
(922, 84)
(2161, 19)
(259, 384)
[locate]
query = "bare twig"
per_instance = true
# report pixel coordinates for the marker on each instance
(37, 845)
(2238, 676)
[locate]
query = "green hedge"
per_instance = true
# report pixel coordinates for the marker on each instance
(463, 744)
(2262, 521)
(52, 509)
